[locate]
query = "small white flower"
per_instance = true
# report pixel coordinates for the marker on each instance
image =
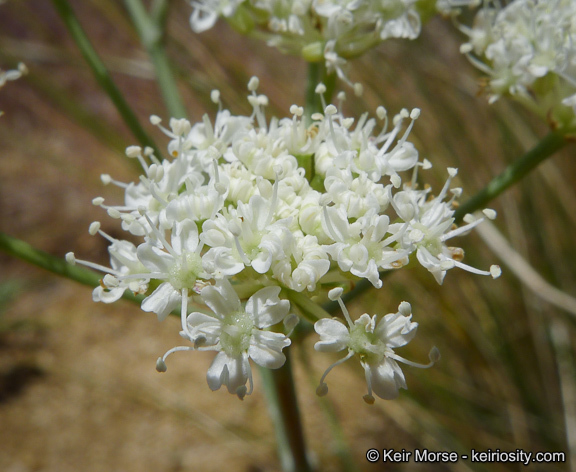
(374, 343)
(428, 225)
(177, 264)
(126, 272)
(238, 333)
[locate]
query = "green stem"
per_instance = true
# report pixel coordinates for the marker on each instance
(151, 32)
(317, 74)
(341, 448)
(22, 250)
(101, 73)
(159, 12)
(513, 173)
(310, 310)
(312, 98)
(283, 405)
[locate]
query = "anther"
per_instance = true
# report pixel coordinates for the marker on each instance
(133, 151)
(94, 227)
(253, 83)
(495, 271)
(70, 258)
(489, 213)
(161, 365)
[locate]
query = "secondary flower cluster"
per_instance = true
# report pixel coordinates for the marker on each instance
(251, 209)
(329, 30)
(527, 49)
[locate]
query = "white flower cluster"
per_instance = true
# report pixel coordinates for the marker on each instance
(528, 50)
(330, 30)
(254, 209)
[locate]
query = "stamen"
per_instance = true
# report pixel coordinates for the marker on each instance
(321, 90)
(184, 309)
(414, 114)
(328, 112)
(336, 295)
(107, 180)
(215, 97)
(236, 231)
(151, 187)
(71, 259)
(322, 387)
(159, 234)
(274, 201)
(161, 362)
(149, 153)
(136, 152)
(434, 356)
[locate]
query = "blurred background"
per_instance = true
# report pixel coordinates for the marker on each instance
(78, 385)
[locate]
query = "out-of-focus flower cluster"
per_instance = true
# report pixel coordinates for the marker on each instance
(265, 211)
(527, 49)
(317, 30)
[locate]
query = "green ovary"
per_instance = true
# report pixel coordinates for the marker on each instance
(236, 333)
(433, 245)
(368, 346)
(184, 273)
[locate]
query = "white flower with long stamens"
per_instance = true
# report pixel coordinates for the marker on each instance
(373, 341)
(238, 334)
(177, 264)
(430, 224)
(126, 272)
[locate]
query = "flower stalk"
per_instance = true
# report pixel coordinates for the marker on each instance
(22, 250)
(553, 142)
(101, 73)
(283, 406)
(317, 74)
(151, 32)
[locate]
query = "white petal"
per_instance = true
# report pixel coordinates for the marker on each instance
(162, 301)
(109, 295)
(221, 259)
(185, 237)
(196, 319)
(221, 298)
(334, 335)
(266, 308)
(202, 20)
(262, 262)
(154, 258)
(396, 330)
(266, 349)
(229, 371)
(386, 378)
